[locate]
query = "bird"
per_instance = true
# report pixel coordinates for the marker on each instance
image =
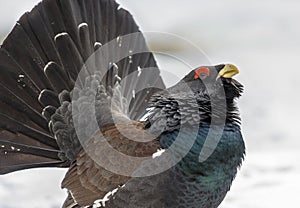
(81, 90)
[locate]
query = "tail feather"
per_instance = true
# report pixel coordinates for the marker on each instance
(85, 40)
(72, 61)
(43, 56)
(49, 98)
(27, 56)
(17, 81)
(31, 136)
(17, 156)
(25, 149)
(58, 77)
(15, 107)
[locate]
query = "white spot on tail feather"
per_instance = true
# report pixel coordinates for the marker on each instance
(60, 35)
(84, 24)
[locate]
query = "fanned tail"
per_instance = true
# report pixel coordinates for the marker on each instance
(43, 56)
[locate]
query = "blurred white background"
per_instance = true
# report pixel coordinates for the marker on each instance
(263, 39)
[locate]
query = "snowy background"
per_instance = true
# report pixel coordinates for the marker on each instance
(263, 39)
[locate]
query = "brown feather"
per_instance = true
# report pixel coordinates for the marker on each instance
(87, 181)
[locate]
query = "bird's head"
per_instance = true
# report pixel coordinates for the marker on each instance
(212, 80)
(207, 91)
(214, 87)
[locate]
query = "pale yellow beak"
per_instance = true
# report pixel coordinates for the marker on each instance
(228, 71)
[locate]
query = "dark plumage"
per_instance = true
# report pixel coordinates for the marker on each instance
(74, 88)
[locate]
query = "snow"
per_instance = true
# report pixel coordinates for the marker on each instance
(262, 38)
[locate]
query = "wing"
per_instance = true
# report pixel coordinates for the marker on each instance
(108, 161)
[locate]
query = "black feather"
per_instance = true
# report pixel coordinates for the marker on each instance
(40, 61)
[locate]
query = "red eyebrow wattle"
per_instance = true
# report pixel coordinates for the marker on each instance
(200, 71)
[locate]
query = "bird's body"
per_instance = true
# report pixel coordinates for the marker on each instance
(189, 184)
(66, 102)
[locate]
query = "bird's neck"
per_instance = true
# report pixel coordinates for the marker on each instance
(169, 114)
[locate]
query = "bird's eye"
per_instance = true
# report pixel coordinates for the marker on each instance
(202, 73)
